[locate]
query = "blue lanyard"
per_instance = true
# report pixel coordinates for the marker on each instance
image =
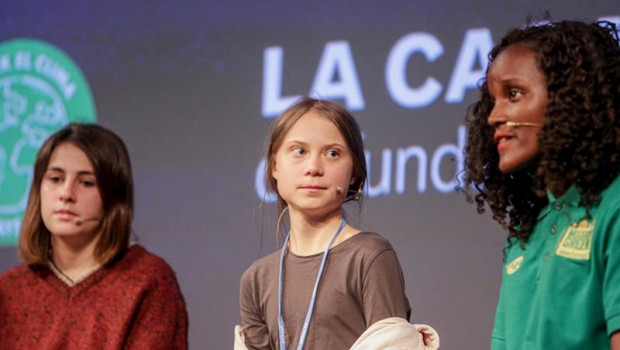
(304, 330)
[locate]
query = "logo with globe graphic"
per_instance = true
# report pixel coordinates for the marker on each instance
(41, 91)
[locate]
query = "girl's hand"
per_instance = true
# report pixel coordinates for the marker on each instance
(429, 336)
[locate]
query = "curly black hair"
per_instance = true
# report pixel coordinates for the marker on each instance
(579, 143)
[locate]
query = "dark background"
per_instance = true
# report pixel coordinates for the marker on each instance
(181, 82)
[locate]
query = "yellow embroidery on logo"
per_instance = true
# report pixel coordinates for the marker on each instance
(514, 265)
(576, 242)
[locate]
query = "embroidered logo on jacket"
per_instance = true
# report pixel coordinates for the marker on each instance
(514, 265)
(576, 241)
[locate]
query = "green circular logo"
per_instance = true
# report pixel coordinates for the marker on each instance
(41, 90)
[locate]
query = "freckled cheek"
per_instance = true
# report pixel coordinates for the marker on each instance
(44, 189)
(95, 201)
(343, 175)
(46, 195)
(285, 179)
(47, 206)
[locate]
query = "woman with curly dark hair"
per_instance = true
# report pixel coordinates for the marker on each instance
(543, 153)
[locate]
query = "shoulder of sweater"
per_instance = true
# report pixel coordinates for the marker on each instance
(265, 264)
(140, 260)
(371, 242)
(17, 273)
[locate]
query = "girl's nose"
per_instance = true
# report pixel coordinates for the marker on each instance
(67, 192)
(496, 118)
(314, 166)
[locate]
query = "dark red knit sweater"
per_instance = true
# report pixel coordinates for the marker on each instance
(134, 303)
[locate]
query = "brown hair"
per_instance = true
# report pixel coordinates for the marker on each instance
(110, 160)
(346, 125)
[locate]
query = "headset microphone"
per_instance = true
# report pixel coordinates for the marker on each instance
(519, 124)
(357, 194)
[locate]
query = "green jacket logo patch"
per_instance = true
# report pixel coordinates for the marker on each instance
(514, 265)
(576, 242)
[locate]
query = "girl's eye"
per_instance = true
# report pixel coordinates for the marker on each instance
(88, 183)
(513, 94)
(332, 153)
(298, 151)
(53, 178)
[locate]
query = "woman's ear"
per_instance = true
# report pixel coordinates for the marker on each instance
(274, 171)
